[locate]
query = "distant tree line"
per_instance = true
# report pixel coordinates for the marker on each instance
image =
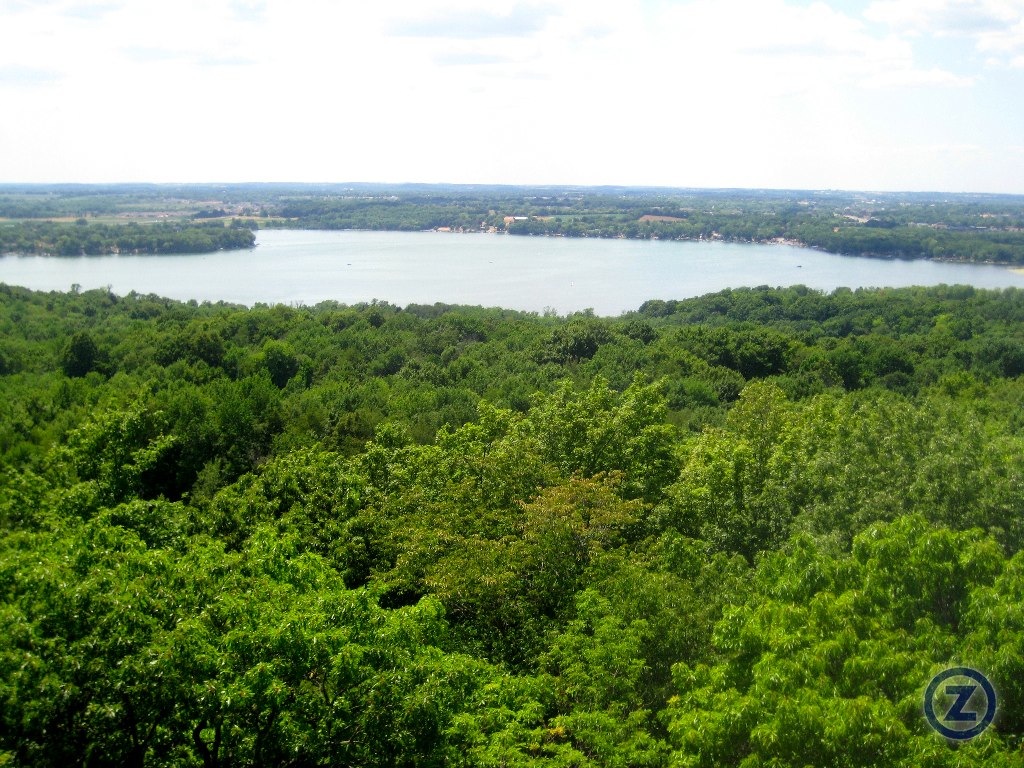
(979, 231)
(966, 227)
(85, 238)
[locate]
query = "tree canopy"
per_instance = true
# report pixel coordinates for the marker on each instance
(742, 529)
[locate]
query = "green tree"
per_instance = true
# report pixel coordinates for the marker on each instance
(826, 662)
(281, 362)
(734, 489)
(80, 355)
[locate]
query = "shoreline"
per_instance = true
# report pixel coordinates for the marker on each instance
(791, 242)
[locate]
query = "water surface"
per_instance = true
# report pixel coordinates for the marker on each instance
(526, 273)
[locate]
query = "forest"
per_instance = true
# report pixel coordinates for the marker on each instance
(201, 218)
(741, 529)
(83, 238)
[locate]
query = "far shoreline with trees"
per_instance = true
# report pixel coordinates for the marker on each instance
(82, 238)
(153, 219)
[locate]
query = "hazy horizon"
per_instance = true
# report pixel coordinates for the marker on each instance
(390, 185)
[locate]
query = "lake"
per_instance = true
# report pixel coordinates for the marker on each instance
(526, 273)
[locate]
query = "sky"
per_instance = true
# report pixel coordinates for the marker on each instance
(919, 95)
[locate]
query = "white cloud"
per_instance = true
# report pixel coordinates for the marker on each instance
(949, 17)
(579, 47)
(917, 78)
(27, 77)
(577, 91)
(779, 48)
(1006, 44)
(994, 27)
(474, 24)
(91, 11)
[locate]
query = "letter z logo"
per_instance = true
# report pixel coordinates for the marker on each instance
(963, 695)
(972, 708)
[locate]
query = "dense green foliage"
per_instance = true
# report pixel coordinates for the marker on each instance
(741, 529)
(890, 225)
(83, 238)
